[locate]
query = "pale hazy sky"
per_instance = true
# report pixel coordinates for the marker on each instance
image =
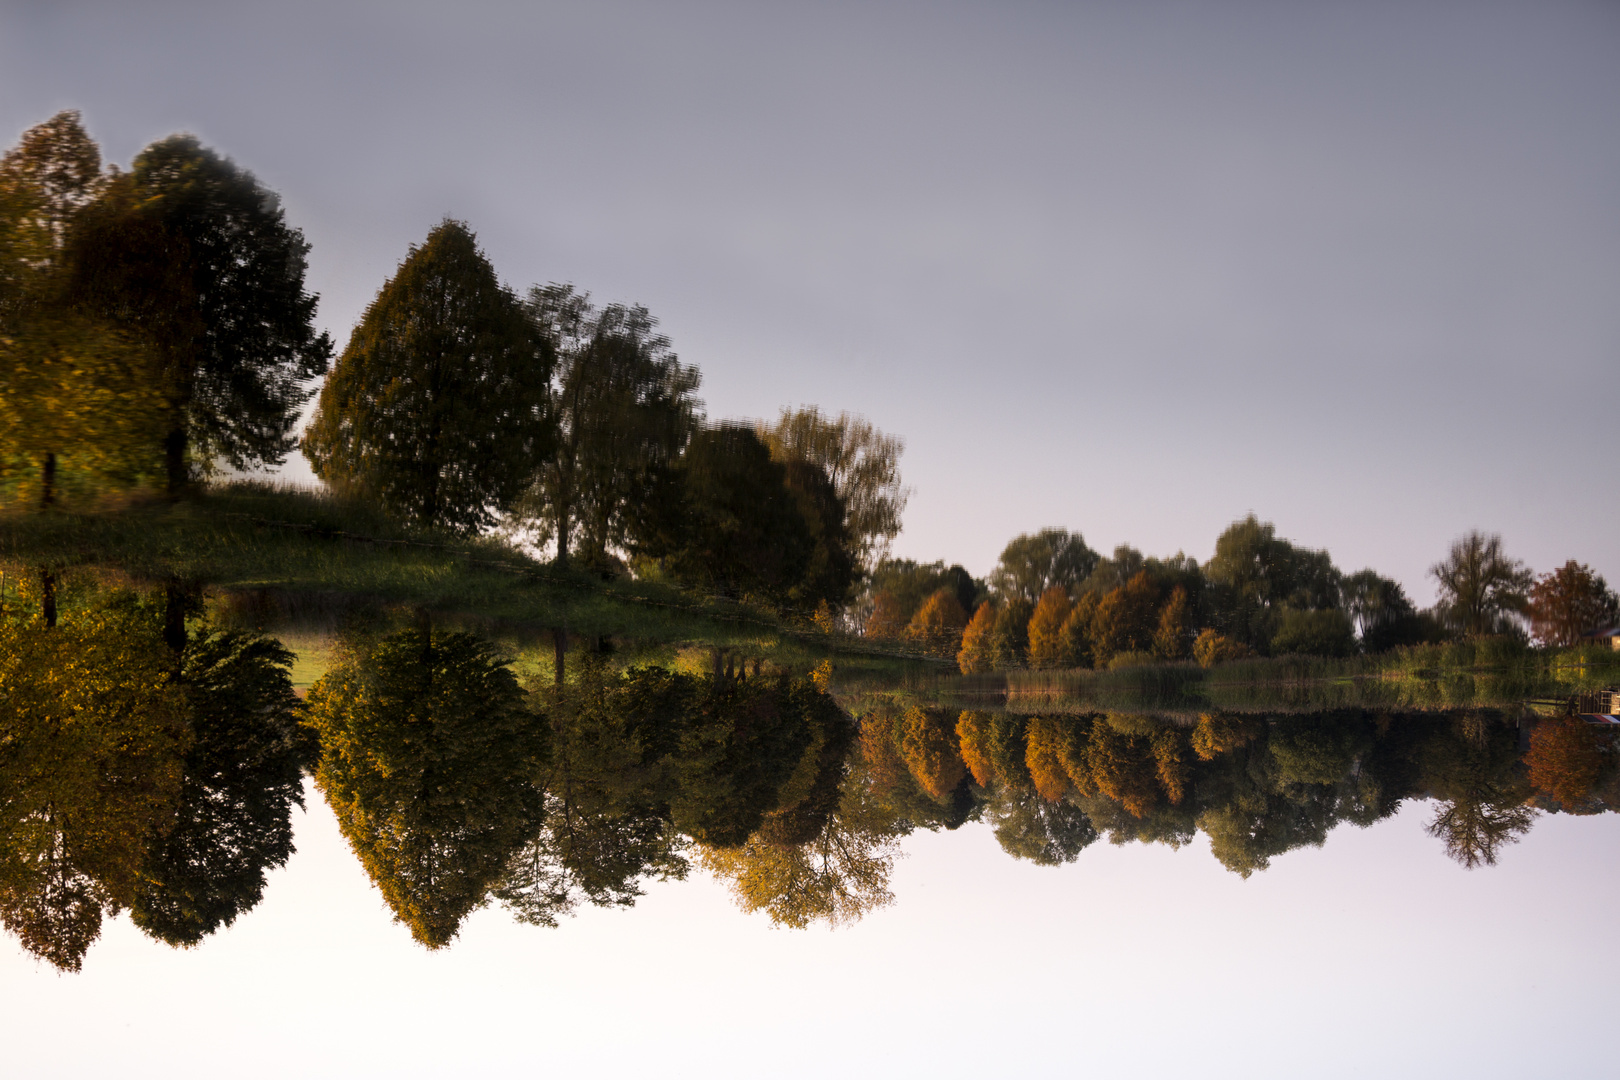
(1136, 269)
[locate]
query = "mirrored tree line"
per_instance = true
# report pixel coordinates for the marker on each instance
(156, 774)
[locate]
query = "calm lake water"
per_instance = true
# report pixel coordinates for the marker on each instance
(1073, 890)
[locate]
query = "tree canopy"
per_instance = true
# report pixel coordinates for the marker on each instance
(625, 408)
(1034, 562)
(193, 254)
(863, 464)
(1482, 591)
(439, 408)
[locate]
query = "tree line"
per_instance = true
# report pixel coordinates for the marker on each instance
(1051, 603)
(155, 325)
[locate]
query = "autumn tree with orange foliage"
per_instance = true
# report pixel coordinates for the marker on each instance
(1048, 647)
(1569, 602)
(1126, 619)
(1565, 759)
(888, 617)
(929, 747)
(973, 740)
(982, 647)
(1124, 767)
(1050, 746)
(939, 623)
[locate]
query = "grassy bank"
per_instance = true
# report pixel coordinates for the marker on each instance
(305, 565)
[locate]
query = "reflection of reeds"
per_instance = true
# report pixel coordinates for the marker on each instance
(1288, 684)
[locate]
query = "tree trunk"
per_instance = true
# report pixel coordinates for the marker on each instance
(47, 483)
(47, 596)
(174, 461)
(174, 618)
(559, 643)
(563, 521)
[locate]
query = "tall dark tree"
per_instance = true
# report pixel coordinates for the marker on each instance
(439, 407)
(1482, 590)
(726, 521)
(625, 408)
(192, 253)
(243, 775)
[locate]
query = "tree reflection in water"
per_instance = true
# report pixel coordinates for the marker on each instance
(137, 777)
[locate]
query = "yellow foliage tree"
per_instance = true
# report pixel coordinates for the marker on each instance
(928, 744)
(980, 642)
(1170, 756)
(92, 735)
(880, 747)
(1048, 646)
(1049, 751)
(1215, 735)
(939, 623)
(836, 878)
(973, 737)
(1212, 648)
(1124, 768)
(1172, 640)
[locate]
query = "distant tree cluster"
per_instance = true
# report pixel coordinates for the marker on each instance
(1053, 603)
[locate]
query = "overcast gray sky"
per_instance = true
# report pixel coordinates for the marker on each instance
(1136, 269)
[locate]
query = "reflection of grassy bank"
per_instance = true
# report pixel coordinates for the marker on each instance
(1434, 677)
(305, 565)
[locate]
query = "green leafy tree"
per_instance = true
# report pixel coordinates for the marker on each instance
(727, 522)
(195, 256)
(738, 753)
(1482, 591)
(1314, 633)
(439, 407)
(1034, 562)
(863, 465)
(608, 785)
(429, 759)
(1029, 827)
(625, 408)
(1384, 618)
(1255, 574)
